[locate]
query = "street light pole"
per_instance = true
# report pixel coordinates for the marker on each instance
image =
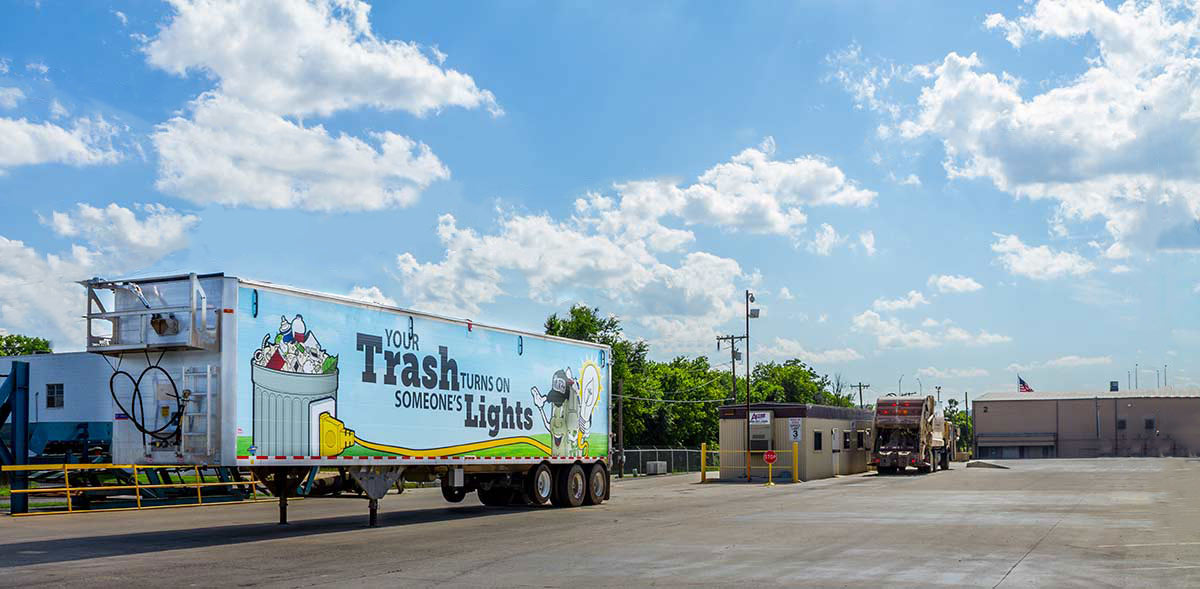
(920, 386)
(899, 386)
(749, 299)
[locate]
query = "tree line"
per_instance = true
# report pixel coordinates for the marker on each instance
(675, 403)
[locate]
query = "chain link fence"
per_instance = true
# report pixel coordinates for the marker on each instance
(677, 459)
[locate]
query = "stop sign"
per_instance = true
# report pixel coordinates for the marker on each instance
(769, 457)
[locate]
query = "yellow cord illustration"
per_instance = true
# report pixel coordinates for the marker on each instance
(336, 437)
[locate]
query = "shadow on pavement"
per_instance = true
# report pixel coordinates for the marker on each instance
(83, 548)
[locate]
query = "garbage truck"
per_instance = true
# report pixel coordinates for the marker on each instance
(912, 432)
(218, 370)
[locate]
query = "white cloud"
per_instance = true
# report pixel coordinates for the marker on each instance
(371, 294)
(57, 110)
(865, 80)
(37, 67)
(911, 180)
(783, 349)
(4, 64)
(867, 239)
(116, 231)
(87, 142)
(1076, 361)
(1120, 269)
(822, 318)
(910, 301)
(38, 294)
(304, 58)
(245, 142)
(1071, 361)
(751, 192)
(558, 262)
(947, 283)
(11, 97)
(1039, 263)
(983, 338)
(950, 373)
(892, 333)
(825, 240)
(121, 17)
(785, 294)
(230, 154)
(1102, 145)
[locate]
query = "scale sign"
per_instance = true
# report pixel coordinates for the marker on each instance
(760, 418)
(796, 428)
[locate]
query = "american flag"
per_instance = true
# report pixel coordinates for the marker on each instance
(1022, 386)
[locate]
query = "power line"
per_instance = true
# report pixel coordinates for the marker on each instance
(672, 400)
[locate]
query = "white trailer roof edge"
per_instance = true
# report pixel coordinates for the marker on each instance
(361, 303)
(369, 305)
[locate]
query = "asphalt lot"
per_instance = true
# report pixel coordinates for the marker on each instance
(1104, 522)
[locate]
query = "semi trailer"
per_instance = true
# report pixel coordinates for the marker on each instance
(911, 431)
(218, 370)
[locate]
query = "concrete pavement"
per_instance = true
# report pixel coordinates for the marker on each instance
(1104, 522)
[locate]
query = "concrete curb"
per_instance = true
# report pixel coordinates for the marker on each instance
(982, 464)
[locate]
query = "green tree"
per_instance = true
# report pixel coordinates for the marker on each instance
(19, 345)
(963, 421)
(793, 381)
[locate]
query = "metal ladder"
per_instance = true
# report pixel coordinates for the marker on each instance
(197, 419)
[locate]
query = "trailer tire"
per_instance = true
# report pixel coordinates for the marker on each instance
(539, 484)
(495, 496)
(452, 494)
(572, 486)
(597, 484)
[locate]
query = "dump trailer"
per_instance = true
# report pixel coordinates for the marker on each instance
(217, 370)
(910, 431)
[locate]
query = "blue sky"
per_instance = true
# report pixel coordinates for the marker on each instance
(955, 191)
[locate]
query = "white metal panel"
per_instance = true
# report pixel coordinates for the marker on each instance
(84, 378)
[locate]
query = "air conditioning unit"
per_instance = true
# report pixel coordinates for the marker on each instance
(656, 467)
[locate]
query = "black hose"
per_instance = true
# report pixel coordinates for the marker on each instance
(138, 415)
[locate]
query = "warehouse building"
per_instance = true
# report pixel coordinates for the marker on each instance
(1160, 422)
(829, 440)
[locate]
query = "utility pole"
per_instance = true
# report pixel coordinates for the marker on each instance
(939, 393)
(860, 386)
(1136, 370)
(1164, 376)
(749, 299)
(732, 339)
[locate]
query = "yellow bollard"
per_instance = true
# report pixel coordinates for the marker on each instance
(795, 462)
(703, 466)
(770, 478)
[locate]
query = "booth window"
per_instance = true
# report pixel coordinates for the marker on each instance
(1149, 423)
(1120, 424)
(54, 396)
(862, 437)
(845, 440)
(817, 441)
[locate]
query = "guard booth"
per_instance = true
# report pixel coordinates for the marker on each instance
(829, 440)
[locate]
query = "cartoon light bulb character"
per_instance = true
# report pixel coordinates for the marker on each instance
(563, 420)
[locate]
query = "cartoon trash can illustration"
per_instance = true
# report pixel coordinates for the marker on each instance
(295, 381)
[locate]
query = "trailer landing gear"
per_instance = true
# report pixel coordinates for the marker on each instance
(375, 481)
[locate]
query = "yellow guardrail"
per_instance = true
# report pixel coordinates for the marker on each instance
(66, 489)
(795, 453)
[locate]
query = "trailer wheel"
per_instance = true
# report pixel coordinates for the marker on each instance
(495, 496)
(539, 484)
(452, 494)
(597, 484)
(572, 486)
